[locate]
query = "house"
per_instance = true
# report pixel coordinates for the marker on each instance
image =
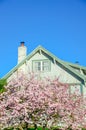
(45, 64)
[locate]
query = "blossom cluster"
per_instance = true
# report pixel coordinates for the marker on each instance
(42, 102)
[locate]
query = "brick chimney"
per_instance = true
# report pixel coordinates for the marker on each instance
(22, 52)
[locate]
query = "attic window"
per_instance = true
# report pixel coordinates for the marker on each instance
(41, 65)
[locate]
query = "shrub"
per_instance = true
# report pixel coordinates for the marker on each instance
(2, 84)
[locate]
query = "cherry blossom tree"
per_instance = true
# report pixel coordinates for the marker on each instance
(41, 102)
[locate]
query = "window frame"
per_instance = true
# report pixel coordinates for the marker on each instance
(41, 65)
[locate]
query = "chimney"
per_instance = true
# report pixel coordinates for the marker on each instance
(22, 52)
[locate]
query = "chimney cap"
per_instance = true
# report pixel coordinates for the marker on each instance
(22, 43)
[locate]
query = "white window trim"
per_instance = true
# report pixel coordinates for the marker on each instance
(41, 65)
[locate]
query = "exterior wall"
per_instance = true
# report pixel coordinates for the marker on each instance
(56, 70)
(14, 75)
(84, 90)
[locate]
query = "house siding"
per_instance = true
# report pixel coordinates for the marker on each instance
(56, 70)
(74, 75)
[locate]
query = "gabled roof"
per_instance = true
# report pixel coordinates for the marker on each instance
(76, 65)
(67, 65)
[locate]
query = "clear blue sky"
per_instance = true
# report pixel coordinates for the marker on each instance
(57, 25)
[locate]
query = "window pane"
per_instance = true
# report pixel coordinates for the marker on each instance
(45, 66)
(37, 66)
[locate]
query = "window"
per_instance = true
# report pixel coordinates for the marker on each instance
(41, 65)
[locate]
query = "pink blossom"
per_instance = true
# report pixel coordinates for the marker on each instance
(31, 100)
